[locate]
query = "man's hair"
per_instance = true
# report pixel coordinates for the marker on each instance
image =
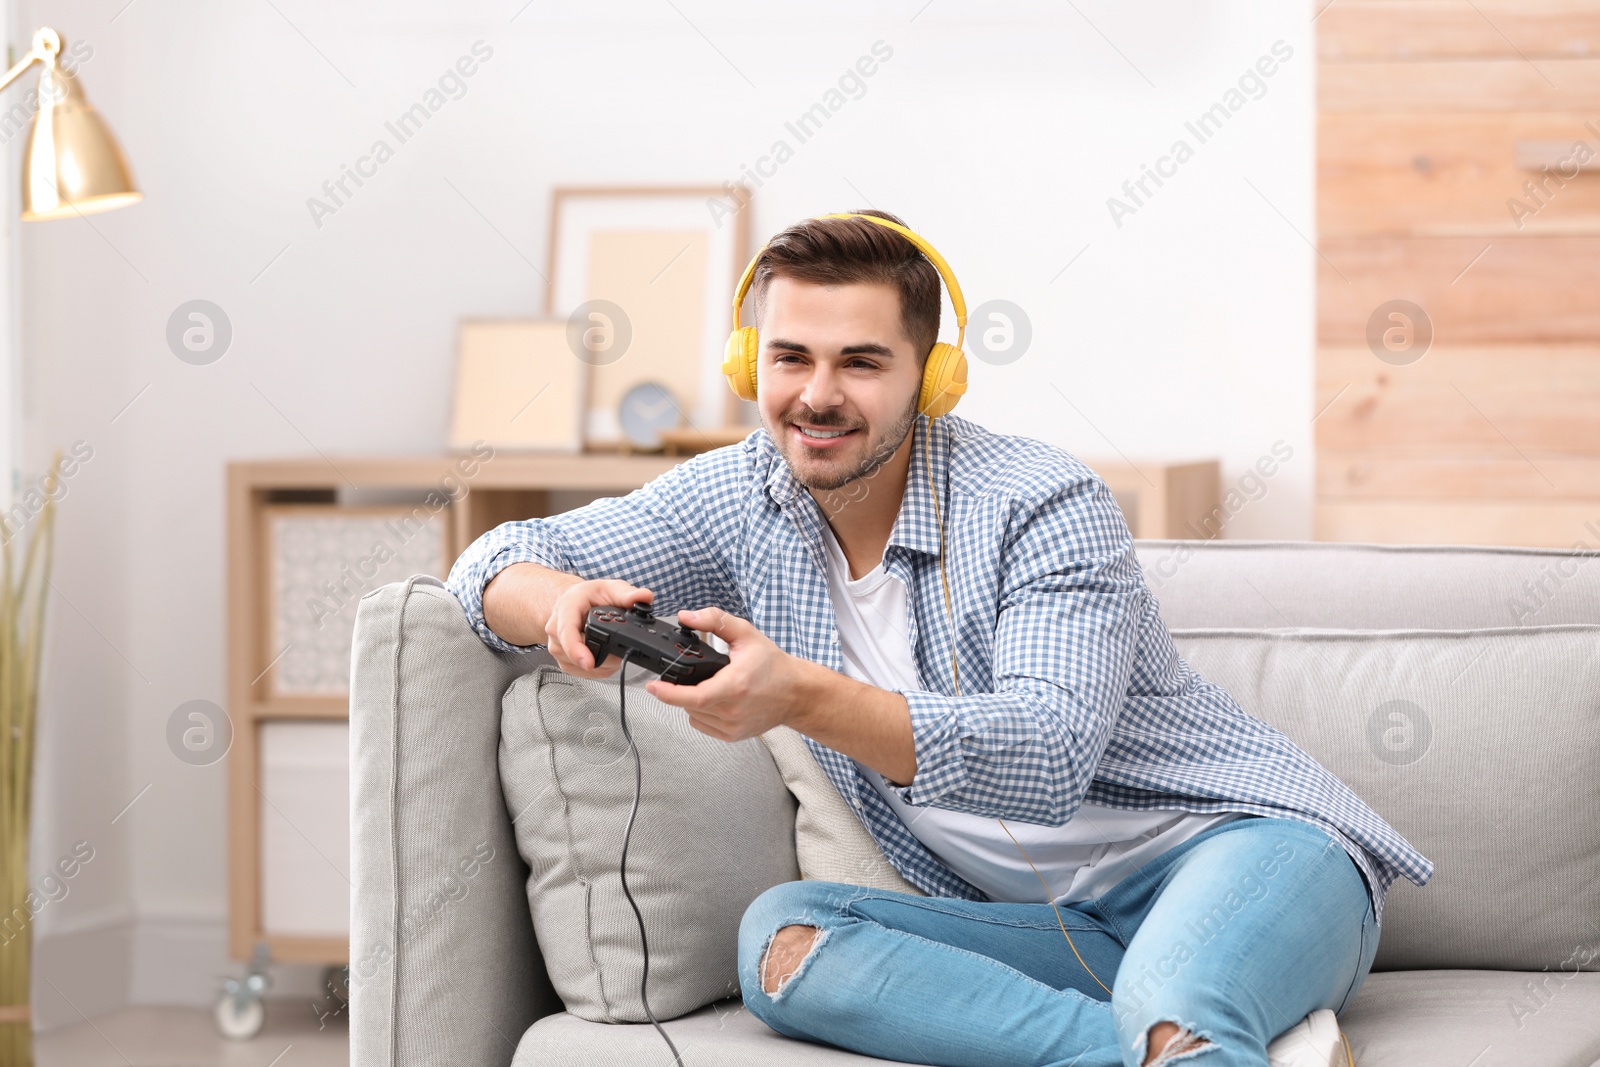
(841, 251)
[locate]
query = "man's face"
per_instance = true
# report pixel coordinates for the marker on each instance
(835, 357)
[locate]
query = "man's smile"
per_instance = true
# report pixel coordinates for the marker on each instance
(823, 437)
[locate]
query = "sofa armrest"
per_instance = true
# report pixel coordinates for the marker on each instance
(444, 967)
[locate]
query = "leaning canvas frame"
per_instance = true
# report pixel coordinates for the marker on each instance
(518, 387)
(577, 212)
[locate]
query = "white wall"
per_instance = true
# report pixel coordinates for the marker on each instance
(1186, 331)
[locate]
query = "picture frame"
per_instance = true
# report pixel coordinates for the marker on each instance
(652, 269)
(518, 387)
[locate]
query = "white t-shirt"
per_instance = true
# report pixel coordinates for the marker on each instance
(1097, 848)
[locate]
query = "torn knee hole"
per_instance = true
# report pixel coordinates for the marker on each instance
(784, 955)
(1168, 1041)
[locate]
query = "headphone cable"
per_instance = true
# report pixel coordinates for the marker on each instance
(928, 469)
(622, 868)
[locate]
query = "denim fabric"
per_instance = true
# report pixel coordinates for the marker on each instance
(1236, 935)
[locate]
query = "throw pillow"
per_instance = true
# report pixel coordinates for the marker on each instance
(829, 840)
(714, 829)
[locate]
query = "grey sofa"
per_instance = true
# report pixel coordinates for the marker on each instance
(1491, 770)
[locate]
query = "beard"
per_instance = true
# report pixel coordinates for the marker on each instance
(825, 471)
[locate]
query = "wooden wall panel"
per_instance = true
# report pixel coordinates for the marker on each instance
(1502, 398)
(1485, 522)
(1522, 289)
(1422, 473)
(1429, 117)
(1451, 175)
(1352, 30)
(1514, 84)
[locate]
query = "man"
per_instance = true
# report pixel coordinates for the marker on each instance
(956, 621)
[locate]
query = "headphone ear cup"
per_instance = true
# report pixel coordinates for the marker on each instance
(739, 361)
(944, 379)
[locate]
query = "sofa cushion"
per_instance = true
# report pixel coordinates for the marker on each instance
(715, 829)
(1398, 1019)
(1473, 1019)
(1480, 746)
(830, 842)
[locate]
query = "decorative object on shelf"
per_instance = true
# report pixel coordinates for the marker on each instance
(71, 165)
(646, 410)
(322, 559)
(641, 276)
(22, 600)
(518, 386)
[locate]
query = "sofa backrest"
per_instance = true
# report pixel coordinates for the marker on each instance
(1327, 584)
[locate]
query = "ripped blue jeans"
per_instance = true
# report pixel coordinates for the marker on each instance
(1235, 935)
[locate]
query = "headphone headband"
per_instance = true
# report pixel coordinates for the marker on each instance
(957, 301)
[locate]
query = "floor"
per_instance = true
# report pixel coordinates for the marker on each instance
(293, 1036)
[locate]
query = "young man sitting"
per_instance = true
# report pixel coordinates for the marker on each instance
(956, 621)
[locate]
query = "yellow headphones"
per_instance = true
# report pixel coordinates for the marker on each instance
(944, 376)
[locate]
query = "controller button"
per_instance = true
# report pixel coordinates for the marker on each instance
(692, 653)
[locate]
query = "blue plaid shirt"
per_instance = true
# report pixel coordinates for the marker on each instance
(1071, 687)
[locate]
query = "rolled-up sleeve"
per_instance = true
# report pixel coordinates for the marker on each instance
(673, 536)
(1064, 648)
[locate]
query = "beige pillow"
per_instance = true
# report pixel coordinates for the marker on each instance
(829, 840)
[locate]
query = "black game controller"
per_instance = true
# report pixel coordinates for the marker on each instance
(674, 652)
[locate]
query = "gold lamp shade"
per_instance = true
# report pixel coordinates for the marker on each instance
(71, 164)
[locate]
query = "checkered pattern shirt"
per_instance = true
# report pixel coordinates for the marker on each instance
(1070, 686)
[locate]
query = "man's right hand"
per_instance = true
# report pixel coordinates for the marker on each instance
(564, 629)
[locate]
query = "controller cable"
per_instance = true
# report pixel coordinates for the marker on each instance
(622, 869)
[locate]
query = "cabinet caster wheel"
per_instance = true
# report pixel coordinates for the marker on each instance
(239, 1015)
(241, 1009)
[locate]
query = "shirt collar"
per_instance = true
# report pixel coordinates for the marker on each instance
(917, 526)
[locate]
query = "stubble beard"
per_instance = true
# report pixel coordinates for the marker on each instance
(878, 452)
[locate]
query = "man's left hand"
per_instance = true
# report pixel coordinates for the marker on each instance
(760, 688)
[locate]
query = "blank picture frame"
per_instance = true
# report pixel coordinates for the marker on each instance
(518, 386)
(670, 256)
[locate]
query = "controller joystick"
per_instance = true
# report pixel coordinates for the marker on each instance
(673, 652)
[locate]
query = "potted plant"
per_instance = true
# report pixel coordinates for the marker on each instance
(22, 600)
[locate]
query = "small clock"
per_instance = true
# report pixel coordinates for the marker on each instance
(646, 410)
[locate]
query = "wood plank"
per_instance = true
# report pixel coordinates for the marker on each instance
(1447, 175)
(1508, 289)
(1460, 85)
(1552, 524)
(1492, 400)
(1385, 29)
(1345, 476)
